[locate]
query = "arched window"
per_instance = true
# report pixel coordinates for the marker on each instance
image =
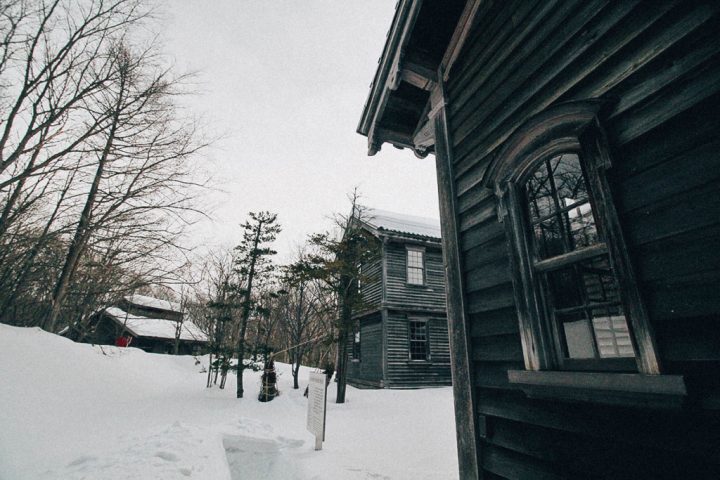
(577, 284)
(578, 304)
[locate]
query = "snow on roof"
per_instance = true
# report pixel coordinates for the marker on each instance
(401, 223)
(155, 327)
(150, 302)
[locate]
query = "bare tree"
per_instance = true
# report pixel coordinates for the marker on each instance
(139, 160)
(307, 313)
(52, 59)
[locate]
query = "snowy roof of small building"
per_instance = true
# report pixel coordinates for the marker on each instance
(155, 327)
(401, 223)
(151, 302)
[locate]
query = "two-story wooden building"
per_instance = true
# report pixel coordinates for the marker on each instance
(577, 146)
(401, 341)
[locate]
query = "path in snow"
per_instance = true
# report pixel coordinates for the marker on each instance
(265, 458)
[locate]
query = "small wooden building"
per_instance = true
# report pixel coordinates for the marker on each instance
(402, 340)
(149, 324)
(577, 146)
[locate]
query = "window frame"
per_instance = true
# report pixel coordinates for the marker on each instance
(573, 127)
(570, 127)
(356, 348)
(542, 267)
(422, 251)
(426, 323)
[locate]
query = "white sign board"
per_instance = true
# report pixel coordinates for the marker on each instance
(316, 407)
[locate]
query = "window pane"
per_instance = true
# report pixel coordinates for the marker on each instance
(582, 225)
(613, 336)
(578, 337)
(568, 177)
(559, 207)
(584, 299)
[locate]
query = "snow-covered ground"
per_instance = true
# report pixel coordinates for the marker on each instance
(73, 411)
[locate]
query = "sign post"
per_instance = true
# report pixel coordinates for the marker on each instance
(317, 401)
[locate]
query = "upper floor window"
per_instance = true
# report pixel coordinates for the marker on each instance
(419, 340)
(415, 266)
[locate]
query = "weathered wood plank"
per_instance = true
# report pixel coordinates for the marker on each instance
(499, 348)
(694, 295)
(689, 89)
(490, 231)
(674, 216)
(679, 24)
(669, 431)
(579, 456)
(489, 275)
(524, 96)
(679, 256)
(514, 466)
(493, 31)
(699, 124)
(496, 322)
(491, 299)
(683, 56)
(486, 253)
(693, 169)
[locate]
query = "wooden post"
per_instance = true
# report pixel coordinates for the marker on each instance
(458, 329)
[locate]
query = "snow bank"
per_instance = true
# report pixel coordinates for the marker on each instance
(74, 411)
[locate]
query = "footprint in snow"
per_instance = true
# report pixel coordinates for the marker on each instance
(170, 457)
(81, 460)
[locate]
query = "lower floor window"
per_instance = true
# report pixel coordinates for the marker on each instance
(418, 340)
(356, 342)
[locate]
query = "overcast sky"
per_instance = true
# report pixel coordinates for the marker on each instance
(286, 81)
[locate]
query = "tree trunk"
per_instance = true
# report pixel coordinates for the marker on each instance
(345, 328)
(295, 370)
(246, 314)
(340, 372)
(241, 357)
(82, 232)
(28, 263)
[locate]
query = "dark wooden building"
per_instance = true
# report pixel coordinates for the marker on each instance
(577, 146)
(401, 341)
(149, 324)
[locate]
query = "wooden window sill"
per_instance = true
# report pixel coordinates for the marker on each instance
(626, 389)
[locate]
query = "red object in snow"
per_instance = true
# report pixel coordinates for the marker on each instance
(123, 341)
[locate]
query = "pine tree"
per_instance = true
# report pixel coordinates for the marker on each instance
(254, 268)
(337, 261)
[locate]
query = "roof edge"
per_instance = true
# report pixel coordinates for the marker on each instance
(396, 36)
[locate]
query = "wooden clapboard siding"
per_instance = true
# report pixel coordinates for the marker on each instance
(403, 372)
(658, 64)
(399, 293)
(368, 370)
(373, 286)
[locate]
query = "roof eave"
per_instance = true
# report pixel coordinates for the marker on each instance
(388, 69)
